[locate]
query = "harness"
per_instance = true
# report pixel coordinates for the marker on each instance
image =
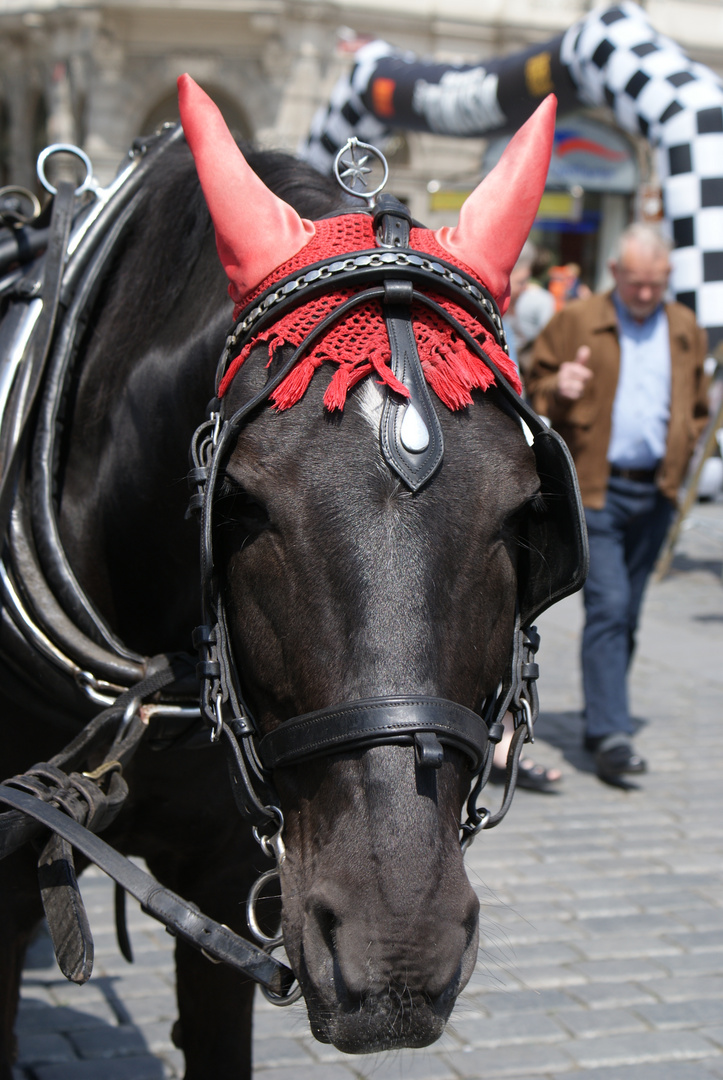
(51, 634)
(73, 638)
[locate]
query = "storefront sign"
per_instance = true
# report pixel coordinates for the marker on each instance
(586, 154)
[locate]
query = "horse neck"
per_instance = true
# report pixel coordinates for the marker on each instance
(142, 390)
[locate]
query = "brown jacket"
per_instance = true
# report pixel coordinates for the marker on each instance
(585, 424)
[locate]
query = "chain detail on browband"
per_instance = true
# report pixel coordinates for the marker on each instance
(327, 271)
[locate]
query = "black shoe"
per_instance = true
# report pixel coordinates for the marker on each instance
(612, 762)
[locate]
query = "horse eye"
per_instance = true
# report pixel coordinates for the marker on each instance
(235, 508)
(532, 507)
(536, 505)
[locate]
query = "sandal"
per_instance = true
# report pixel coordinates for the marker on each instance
(529, 775)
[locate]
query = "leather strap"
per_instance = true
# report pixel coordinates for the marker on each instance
(416, 462)
(378, 720)
(392, 222)
(65, 911)
(182, 918)
(26, 392)
(82, 796)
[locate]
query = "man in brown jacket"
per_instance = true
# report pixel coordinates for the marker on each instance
(620, 376)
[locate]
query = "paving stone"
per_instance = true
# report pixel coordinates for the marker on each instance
(661, 1070)
(491, 977)
(613, 947)
(646, 925)
(157, 1036)
(681, 1014)
(509, 1062)
(699, 941)
(714, 1034)
(551, 932)
(138, 1068)
(549, 976)
(710, 918)
(636, 968)
(281, 1051)
(686, 989)
(109, 1042)
(660, 883)
(44, 1049)
(605, 906)
(543, 953)
(702, 963)
(266, 1022)
(689, 902)
(523, 1001)
(640, 1048)
(481, 1032)
(39, 993)
(293, 1072)
(404, 1065)
(58, 1018)
(592, 1023)
(612, 995)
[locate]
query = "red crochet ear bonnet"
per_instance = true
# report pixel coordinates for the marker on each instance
(261, 240)
(359, 344)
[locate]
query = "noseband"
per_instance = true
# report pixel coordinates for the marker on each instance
(396, 276)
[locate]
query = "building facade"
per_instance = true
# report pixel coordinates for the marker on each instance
(98, 74)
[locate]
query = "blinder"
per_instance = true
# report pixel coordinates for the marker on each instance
(552, 559)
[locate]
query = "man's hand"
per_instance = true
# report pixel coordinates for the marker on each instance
(574, 374)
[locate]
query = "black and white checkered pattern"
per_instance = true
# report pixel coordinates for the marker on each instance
(615, 58)
(345, 114)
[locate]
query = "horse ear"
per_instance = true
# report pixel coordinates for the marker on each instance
(255, 230)
(495, 219)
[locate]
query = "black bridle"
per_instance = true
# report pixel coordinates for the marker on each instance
(396, 276)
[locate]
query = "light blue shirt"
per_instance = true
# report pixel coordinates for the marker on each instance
(641, 409)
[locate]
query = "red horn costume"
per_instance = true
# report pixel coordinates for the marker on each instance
(261, 240)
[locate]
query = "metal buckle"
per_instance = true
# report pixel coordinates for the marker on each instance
(272, 846)
(88, 184)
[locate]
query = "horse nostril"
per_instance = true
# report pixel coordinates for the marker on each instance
(327, 923)
(320, 936)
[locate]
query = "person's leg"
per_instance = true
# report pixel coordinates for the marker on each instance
(530, 774)
(605, 636)
(644, 538)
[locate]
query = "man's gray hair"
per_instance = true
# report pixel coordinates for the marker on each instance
(645, 236)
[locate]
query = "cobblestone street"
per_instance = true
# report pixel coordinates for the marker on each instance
(602, 909)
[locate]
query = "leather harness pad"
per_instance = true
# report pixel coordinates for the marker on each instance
(415, 468)
(383, 720)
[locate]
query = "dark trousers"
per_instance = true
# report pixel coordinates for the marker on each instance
(625, 539)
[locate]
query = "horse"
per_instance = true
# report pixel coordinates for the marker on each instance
(330, 573)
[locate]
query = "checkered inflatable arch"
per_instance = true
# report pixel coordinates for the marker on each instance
(611, 57)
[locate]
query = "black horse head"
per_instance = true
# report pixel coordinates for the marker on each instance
(339, 586)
